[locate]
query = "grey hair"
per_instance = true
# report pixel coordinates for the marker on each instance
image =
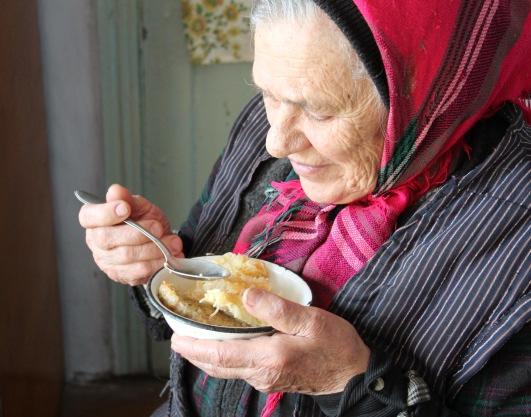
(269, 11)
(272, 11)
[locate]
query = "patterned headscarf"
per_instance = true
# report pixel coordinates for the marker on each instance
(441, 66)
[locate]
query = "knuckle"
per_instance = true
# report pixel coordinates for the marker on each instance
(316, 321)
(156, 228)
(100, 262)
(124, 254)
(81, 216)
(101, 237)
(142, 270)
(283, 359)
(135, 282)
(276, 350)
(280, 309)
(86, 216)
(89, 215)
(282, 362)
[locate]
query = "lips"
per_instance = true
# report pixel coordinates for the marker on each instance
(306, 170)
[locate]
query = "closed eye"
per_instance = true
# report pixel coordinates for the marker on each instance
(319, 117)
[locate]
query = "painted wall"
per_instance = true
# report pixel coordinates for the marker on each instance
(188, 110)
(124, 105)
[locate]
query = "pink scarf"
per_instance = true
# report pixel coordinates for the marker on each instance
(328, 244)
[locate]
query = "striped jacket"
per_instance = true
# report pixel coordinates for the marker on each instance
(446, 292)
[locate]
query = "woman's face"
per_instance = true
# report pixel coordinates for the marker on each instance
(319, 115)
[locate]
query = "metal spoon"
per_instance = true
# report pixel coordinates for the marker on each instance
(195, 269)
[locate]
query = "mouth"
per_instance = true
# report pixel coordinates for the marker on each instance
(306, 170)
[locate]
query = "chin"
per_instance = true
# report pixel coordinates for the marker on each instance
(323, 194)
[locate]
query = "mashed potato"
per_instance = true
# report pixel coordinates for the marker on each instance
(219, 302)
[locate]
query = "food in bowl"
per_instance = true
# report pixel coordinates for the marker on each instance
(282, 281)
(219, 302)
(189, 307)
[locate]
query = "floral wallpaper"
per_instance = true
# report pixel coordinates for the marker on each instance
(217, 30)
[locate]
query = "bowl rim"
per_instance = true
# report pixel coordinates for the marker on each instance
(223, 329)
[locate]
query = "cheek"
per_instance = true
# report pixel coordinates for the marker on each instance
(336, 141)
(355, 158)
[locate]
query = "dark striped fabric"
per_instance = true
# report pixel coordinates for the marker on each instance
(509, 395)
(451, 286)
(446, 292)
(240, 159)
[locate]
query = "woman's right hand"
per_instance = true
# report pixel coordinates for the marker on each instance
(123, 253)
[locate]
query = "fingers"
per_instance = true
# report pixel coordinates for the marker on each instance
(112, 236)
(133, 274)
(118, 192)
(228, 354)
(106, 214)
(115, 211)
(139, 206)
(123, 253)
(285, 316)
(127, 254)
(120, 205)
(133, 264)
(208, 351)
(263, 362)
(223, 373)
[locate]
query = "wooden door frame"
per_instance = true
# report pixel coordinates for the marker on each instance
(31, 342)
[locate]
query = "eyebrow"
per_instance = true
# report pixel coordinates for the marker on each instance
(302, 103)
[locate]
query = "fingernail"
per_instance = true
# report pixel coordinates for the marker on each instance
(121, 210)
(252, 296)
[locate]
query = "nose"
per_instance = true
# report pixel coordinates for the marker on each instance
(285, 136)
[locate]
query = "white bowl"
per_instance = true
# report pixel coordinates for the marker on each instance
(283, 282)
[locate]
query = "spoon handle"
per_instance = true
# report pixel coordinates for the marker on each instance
(156, 241)
(88, 198)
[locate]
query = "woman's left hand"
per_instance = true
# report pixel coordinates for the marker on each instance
(316, 352)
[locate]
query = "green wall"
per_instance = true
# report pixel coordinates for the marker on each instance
(165, 123)
(188, 110)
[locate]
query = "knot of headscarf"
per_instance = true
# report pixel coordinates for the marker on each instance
(328, 244)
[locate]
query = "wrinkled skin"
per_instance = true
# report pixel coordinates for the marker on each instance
(123, 253)
(326, 122)
(315, 352)
(323, 123)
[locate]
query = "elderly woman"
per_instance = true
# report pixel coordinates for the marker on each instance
(391, 142)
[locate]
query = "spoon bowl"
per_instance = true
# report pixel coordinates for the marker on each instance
(194, 269)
